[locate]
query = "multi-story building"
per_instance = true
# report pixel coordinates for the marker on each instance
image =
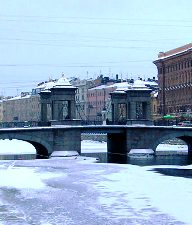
(175, 80)
(81, 96)
(22, 108)
(25, 107)
(93, 100)
(84, 110)
(98, 100)
(1, 110)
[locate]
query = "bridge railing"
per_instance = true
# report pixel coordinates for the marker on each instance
(19, 124)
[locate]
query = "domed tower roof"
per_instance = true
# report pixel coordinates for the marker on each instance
(63, 82)
(122, 87)
(139, 85)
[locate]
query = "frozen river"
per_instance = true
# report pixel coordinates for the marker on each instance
(78, 191)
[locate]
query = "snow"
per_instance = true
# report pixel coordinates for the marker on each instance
(16, 147)
(173, 54)
(64, 153)
(141, 151)
(22, 178)
(121, 86)
(63, 82)
(126, 192)
(18, 97)
(103, 86)
(138, 84)
(143, 190)
(49, 85)
(89, 146)
(168, 147)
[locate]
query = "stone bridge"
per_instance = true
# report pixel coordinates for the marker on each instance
(120, 138)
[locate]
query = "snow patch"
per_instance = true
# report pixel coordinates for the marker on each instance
(64, 153)
(16, 147)
(145, 190)
(23, 178)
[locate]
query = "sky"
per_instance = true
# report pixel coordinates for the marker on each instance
(43, 39)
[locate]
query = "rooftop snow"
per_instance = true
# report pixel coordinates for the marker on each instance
(63, 82)
(175, 52)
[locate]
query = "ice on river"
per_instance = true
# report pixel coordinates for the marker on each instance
(69, 191)
(119, 194)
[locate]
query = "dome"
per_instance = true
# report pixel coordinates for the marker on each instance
(139, 84)
(63, 81)
(121, 87)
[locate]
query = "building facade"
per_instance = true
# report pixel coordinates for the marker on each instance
(131, 104)
(81, 97)
(98, 99)
(22, 108)
(92, 97)
(175, 80)
(92, 101)
(1, 110)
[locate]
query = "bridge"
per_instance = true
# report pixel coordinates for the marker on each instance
(120, 138)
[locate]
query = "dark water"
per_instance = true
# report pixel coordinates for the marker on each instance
(179, 160)
(144, 160)
(166, 160)
(176, 172)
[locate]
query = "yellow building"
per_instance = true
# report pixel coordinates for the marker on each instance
(22, 108)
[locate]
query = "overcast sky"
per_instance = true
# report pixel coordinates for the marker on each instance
(83, 38)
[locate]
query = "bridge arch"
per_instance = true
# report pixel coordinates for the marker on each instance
(187, 138)
(43, 149)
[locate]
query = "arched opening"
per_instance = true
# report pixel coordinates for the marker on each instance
(172, 146)
(94, 145)
(41, 151)
(16, 149)
(173, 151)
(188, 141)
(22, 149)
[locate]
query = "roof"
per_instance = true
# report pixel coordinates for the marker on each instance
(123, 85)
(174, 52)
(18, 97)
(63, 82)
(103, 86)
(139, 85)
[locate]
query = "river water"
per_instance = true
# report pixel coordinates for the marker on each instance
(81, 191)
